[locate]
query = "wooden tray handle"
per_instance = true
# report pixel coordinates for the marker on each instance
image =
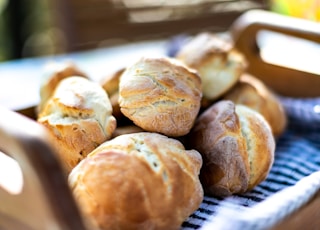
(45, 201)
(285, 81)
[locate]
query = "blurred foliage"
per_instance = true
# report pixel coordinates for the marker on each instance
(5, 42)
(307, 9)
(25, 28)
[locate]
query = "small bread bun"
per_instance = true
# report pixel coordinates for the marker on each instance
(79, 118)
(160, 95)
(219, 64)
(138, 181)
(54, 72)
(253, 93)
(110, 84)
(237, 147)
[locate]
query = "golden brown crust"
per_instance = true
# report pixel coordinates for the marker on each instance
(260, 144)
(126, 129)
(110, 84)
(217, 136)
(54, 73)
(219, 64)
(160, 95)
(138, 181)
(253, 93)
(235, 159)
(79, 118)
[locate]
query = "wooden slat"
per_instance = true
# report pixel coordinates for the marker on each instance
(87, 23)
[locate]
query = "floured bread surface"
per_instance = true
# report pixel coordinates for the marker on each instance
(160, 95)
(237, 147)
(138, 181)
(219, 64)
(54, 72)
(79, 117)
(253, 93)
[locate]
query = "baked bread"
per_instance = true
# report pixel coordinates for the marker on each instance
(218, 63)
(237, 147)
(126, 129)
(79, 118)
(110, 84)
(253, 93)
(54, 72)
(138, 181)
(160, 95)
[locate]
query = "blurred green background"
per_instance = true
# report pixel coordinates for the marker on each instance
(25, 29)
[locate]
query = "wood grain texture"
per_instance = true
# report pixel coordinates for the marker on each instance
(45, 201)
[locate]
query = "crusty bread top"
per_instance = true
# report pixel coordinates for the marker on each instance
(78, 98)
(163, 76)
(79, 116)
(54, 72)
(141, 181)
(160, 95)
(201, 47)
(217, 61)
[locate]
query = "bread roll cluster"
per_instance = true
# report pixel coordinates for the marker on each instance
(143, 146)
(128, 177)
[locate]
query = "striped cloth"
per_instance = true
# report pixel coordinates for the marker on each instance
(297, 159)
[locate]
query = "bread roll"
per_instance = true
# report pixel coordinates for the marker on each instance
(54, 72)
(79, 118)
(138, 181)
(253, 93)
(237, 147)
(160, 95)
(219, 64)
(110, 84)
